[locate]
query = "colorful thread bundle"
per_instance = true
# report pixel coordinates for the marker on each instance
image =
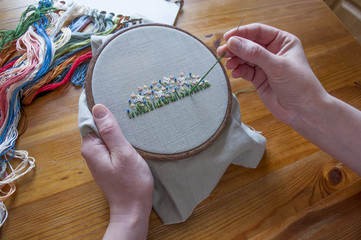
(50, 47)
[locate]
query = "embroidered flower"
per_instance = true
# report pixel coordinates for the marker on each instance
(182, 81)
(159, 94)
(140, 98)
(166, 80)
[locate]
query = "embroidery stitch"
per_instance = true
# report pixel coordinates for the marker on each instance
(162, 92)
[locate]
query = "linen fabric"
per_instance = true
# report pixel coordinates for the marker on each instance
(141, 55)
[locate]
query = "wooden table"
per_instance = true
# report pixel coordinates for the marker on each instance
(297, 191)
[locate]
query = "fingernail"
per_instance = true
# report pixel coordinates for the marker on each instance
(99, 111)
(235, 44)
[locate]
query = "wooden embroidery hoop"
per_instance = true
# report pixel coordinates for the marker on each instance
(148, 154)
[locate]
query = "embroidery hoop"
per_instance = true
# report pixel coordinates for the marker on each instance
(99, 89)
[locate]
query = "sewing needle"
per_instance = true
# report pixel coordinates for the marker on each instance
(219, 59)
(240, 23)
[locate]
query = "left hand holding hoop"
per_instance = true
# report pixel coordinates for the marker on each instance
(123, 176)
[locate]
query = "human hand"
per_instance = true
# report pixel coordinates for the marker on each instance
(123, 176)
(274, 61)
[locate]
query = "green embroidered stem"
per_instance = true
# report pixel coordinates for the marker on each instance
(219, 59)
(177, 94)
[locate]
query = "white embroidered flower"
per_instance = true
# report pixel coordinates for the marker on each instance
(158, 94)
(140, 98)
(166, 80)
(182, 80)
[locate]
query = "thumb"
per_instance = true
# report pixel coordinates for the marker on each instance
(109, 129)
(252, 52)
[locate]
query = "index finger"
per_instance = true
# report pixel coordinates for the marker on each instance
(256, 32)
(222, 49)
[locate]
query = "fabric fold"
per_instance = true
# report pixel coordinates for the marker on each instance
(179, 186)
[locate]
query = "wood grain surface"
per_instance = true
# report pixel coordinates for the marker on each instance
(297, 192)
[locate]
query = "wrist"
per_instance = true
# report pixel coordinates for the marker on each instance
(128, 226)
(131, 218)
(333, 126)
(134, 208)
(314, 115)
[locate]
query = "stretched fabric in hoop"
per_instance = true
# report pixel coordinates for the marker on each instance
(181, 185)
(132, 60)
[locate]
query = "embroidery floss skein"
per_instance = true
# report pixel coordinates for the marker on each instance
(26, 20)
(3, 214)
(49, 48)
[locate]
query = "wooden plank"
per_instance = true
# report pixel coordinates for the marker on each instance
(265, 202)
(290, 189)
(334, 217)
(80, 211)
(10, 12)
